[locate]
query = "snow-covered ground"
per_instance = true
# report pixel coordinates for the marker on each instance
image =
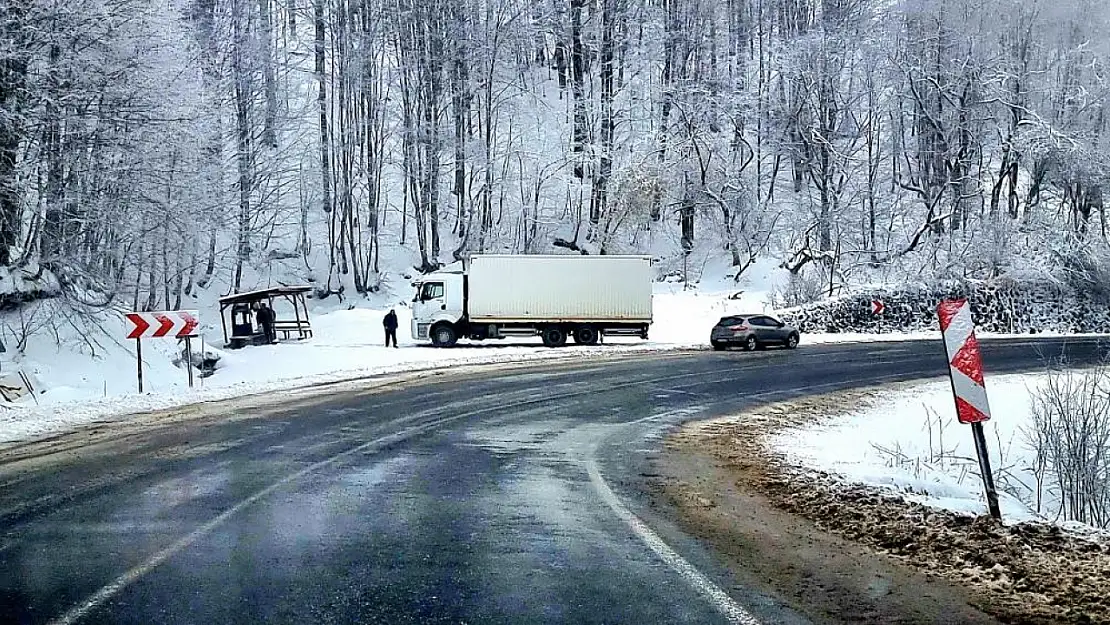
(909, 442)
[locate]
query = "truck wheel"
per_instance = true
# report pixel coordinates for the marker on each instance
(586, 336)
(554, 337)
(443, 335)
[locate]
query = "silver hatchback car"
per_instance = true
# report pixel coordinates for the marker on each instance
(753, 332)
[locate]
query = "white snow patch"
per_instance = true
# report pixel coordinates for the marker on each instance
(909, 442)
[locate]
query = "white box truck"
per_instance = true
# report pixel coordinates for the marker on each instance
(553, 297)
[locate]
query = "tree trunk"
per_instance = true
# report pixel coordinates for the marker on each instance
(601, 177)
(374, 138)
(243, 134)
(269, 133)
(578, 87)
(561, 63)
(244, 156)
(53, 226)
(13, 75)
(210, 264)
(320, 47)
(165, 262)
(460, 106)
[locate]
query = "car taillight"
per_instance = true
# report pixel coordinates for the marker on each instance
(738, 328)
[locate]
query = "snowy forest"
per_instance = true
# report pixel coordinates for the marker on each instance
(153, 149)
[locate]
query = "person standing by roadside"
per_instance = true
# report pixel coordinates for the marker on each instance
(390, 324)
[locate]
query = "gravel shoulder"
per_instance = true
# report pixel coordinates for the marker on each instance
(846, 554)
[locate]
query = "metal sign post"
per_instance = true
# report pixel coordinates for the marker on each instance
(139, 360)
(189, 358)
(202, 351)
(965, 370)
(985, 469)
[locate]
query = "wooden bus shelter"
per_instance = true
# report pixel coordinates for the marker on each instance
(243, 306)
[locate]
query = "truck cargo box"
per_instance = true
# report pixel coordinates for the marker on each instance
(559, 288)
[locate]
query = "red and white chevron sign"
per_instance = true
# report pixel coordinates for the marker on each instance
(965, 364)
(152, 325)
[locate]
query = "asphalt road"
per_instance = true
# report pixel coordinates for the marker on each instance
(505, 497)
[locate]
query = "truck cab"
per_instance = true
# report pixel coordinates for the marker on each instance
(438, 303)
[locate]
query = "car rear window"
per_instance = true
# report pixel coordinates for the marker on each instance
(730, 321)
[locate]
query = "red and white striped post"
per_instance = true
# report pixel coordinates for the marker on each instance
(965, 368)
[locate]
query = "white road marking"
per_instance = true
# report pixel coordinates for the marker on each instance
(702, 584)
(679, 392)
(720, 600)
(888, 352)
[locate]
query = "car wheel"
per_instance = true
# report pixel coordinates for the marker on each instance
(444, 335)
(750, 344)
(718, 346)
(554, 337)
(792, 341)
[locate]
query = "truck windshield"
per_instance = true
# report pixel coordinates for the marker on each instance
(431, 290)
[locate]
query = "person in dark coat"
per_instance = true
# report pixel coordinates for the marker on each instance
(390, 324)
(266, 318)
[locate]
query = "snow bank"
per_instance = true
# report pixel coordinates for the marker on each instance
(909, 442)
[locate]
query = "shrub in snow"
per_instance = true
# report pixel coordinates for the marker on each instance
(800, 289)
(1070, 435)
(1000, 306)
(936, 457)
(207, 361)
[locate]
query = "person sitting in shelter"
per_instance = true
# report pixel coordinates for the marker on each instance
(266, 318)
